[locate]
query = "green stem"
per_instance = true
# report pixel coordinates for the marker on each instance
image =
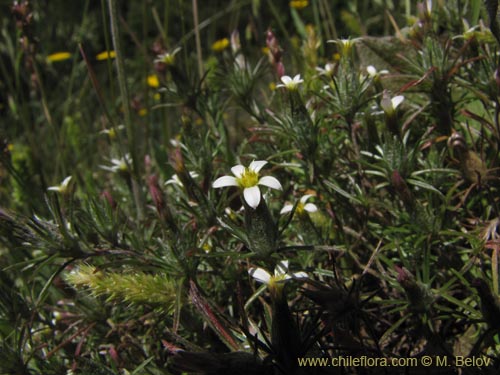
(122, 85)
(197, 37)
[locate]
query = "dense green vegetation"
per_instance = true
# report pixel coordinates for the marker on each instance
(227, 187)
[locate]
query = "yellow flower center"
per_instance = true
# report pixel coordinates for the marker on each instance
(248, 179)
(300, 210)
(168, 59)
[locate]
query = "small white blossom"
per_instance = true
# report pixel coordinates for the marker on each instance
(428, 7)
(374, 73)
(302, 206)
(175, 180)
(344, 45)
(167, 58)
(63, 187)
(327, 70)
(118, 165)
(389, 104)
(291, 84)
(247, 178)
(281, 274)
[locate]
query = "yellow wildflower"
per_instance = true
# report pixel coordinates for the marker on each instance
(299, 4)
(106, 55)
(220, 45)
(58, 56)
(153, 81)
(143, 112)
(157, 96)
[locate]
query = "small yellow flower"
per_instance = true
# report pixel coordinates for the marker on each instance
(105, 55)
(58, 56)
(220, 45)
(10, 147)
(143, 112)
(153, 81)
(265, 50)
(272, 86)
(157, 96)
(299, 4)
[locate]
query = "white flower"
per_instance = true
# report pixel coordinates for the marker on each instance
(248, 180)
(327, 70)
(175, 180)
(302, 206)
(167, 58)
(119, 165)
(389, 104)
(281, 274)
(63, 187)
(374, 73)
(344, 45)
(289, 83)
(428, 7)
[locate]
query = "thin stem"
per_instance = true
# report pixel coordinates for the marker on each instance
(122, 84)
(197, 37)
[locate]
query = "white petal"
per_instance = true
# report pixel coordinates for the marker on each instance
(225, 181)
(397, 100)
(257, 165)
(286, 209)
(281, 268)
(66, 181)
(372, 71)
(238, 170)
(300, 275)
(54, 188)
(252, 196)
(297, 79)
(309, 207)
(260, 275)
(305, 198)
(271, 182)
(286, 80)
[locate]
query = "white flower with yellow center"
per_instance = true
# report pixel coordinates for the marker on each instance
(302, 206)
(280, 276)
(328, 70)
(63, 187)
(175, 180)
(374, 73)
(119, 165)
(247, 178)
(389, 104)
(291, 84)
(167, 58)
